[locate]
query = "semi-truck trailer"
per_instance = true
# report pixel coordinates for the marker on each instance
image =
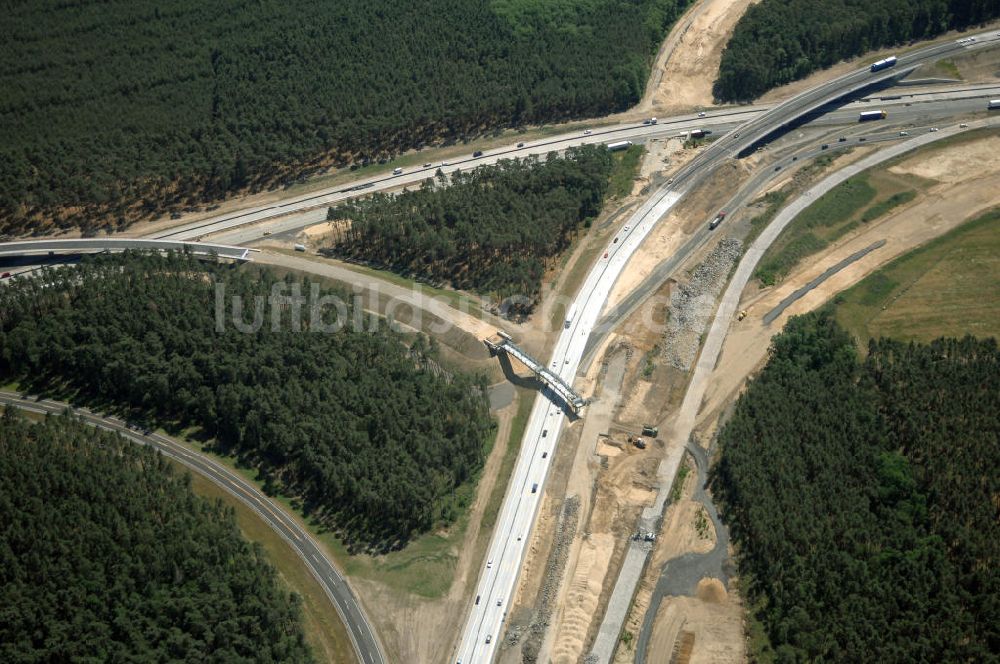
(718, 220)
(619, 145)
(872, 115)
(570, 315)
(884, 63)
(993, 105)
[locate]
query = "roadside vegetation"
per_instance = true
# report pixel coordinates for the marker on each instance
(857, 201)
(322, 626)
(368, 431)
(494, 230)
(125, 110)
(625, 167)
(949, 286)
(107, 555)
(861, 497)
(779, 41)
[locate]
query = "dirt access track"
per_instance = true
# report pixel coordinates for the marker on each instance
(688, 62)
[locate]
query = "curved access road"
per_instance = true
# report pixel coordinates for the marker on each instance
(366, 645)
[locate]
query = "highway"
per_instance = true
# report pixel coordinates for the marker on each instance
(364, 641)
(248, 225)
(90, 245)
(498, 578)
(316, 203)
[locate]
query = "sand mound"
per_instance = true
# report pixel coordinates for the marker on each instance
(711, 590)
(952, 166)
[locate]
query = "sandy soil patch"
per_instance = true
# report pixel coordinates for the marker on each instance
(318, 231)
(640, 495)
(582, 597)
(633, 405)
(622, 490)
(707, 629)
(688, 62)
(680, 535)
(952, 166)
(674, 229)
(662, 154)
(607, 450)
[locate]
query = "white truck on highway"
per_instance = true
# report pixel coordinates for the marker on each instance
(619, 145)
(865, 116)
(570, 315)
(885, 63)
(993, 105)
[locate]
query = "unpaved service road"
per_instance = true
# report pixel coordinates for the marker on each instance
(688, 62)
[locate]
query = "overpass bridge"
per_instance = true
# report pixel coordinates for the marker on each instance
(551, 379)
(98, 245)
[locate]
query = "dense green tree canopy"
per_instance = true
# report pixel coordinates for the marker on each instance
(778, 41)
(493, 230)
(107, 556)
(363, 427)
(168, 104)
(863, 497)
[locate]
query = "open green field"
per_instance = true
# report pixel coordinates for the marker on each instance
(623, 171)
(948, 287)
(857, 201)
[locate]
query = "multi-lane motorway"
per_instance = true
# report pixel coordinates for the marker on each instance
(480, 638)
(364, 641)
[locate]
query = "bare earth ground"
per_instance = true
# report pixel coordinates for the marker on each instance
(588, 556)
(967, 176)
(706, 629)
(613, 480)
(964, 177)
(688, 63)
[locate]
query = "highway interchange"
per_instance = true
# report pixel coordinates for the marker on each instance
(747, 128)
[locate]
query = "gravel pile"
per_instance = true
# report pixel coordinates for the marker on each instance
(565, 531)
(692, 304)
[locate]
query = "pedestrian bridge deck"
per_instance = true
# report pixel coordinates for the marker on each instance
(555, 382)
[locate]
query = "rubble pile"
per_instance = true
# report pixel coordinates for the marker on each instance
(692, 304)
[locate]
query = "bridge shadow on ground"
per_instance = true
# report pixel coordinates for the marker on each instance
(534, 384)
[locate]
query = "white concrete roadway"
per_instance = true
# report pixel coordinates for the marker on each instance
(317, 202)
(517, 515)
(89, 245)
